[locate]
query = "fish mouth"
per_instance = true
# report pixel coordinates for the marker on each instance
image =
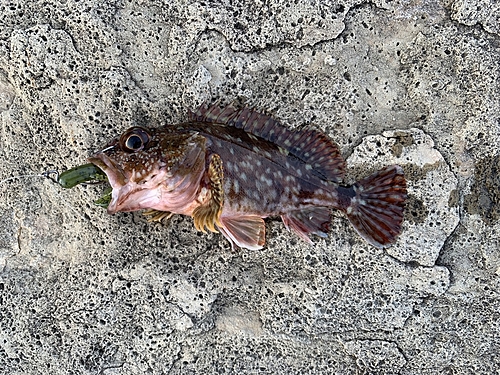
(116, 175)
(127, 195)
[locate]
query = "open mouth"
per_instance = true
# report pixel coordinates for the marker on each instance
(116, 178)
(115, 173)
(128, 192)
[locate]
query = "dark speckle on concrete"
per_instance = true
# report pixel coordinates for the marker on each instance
(402, 140)
(415, 210)
(484, 199)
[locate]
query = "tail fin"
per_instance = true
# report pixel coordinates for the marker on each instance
(376, 208)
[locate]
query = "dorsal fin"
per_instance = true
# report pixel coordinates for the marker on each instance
(309, 145)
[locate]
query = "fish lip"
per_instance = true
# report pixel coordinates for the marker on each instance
(119, 197)
(116, 175)
(116, 178)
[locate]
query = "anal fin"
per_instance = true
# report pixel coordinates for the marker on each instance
(314, 220)
(246, 231)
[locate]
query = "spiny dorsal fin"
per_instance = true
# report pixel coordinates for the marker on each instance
(309, 145)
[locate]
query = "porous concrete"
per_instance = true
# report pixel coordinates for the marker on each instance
(411, 82)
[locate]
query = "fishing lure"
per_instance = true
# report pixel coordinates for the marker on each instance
(87, 173)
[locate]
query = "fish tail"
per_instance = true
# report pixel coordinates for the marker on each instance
(375, 205)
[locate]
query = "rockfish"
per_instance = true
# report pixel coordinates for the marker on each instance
(229, 168)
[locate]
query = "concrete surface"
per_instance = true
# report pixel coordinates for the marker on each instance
(409, 81)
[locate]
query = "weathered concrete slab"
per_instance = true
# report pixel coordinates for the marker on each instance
(410, 82)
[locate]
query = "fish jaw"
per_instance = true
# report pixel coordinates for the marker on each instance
(159, 190)
(130, 193)
(133, 197)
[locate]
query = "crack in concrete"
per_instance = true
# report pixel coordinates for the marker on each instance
(284, 43)
(478, 26)
(176, 360)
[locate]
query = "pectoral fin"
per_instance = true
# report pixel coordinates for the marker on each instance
(208, 214)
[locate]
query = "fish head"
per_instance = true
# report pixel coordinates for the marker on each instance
(152, 168)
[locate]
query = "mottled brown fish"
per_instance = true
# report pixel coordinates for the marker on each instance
(231, 167)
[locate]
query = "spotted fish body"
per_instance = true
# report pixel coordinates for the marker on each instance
(229, 168)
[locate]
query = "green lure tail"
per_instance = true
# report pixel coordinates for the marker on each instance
(105, 199)
(86, 173)
(80, 175)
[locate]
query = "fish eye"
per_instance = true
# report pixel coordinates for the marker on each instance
(134, 142)
(135, 139)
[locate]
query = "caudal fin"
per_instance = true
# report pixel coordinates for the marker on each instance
(376, 209)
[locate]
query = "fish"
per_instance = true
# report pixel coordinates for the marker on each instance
(230, 167)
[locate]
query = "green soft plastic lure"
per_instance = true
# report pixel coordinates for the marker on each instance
(87, 173)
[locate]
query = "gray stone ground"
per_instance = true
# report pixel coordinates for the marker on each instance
(413, 82)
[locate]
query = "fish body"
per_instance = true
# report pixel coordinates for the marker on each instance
(229, 168)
